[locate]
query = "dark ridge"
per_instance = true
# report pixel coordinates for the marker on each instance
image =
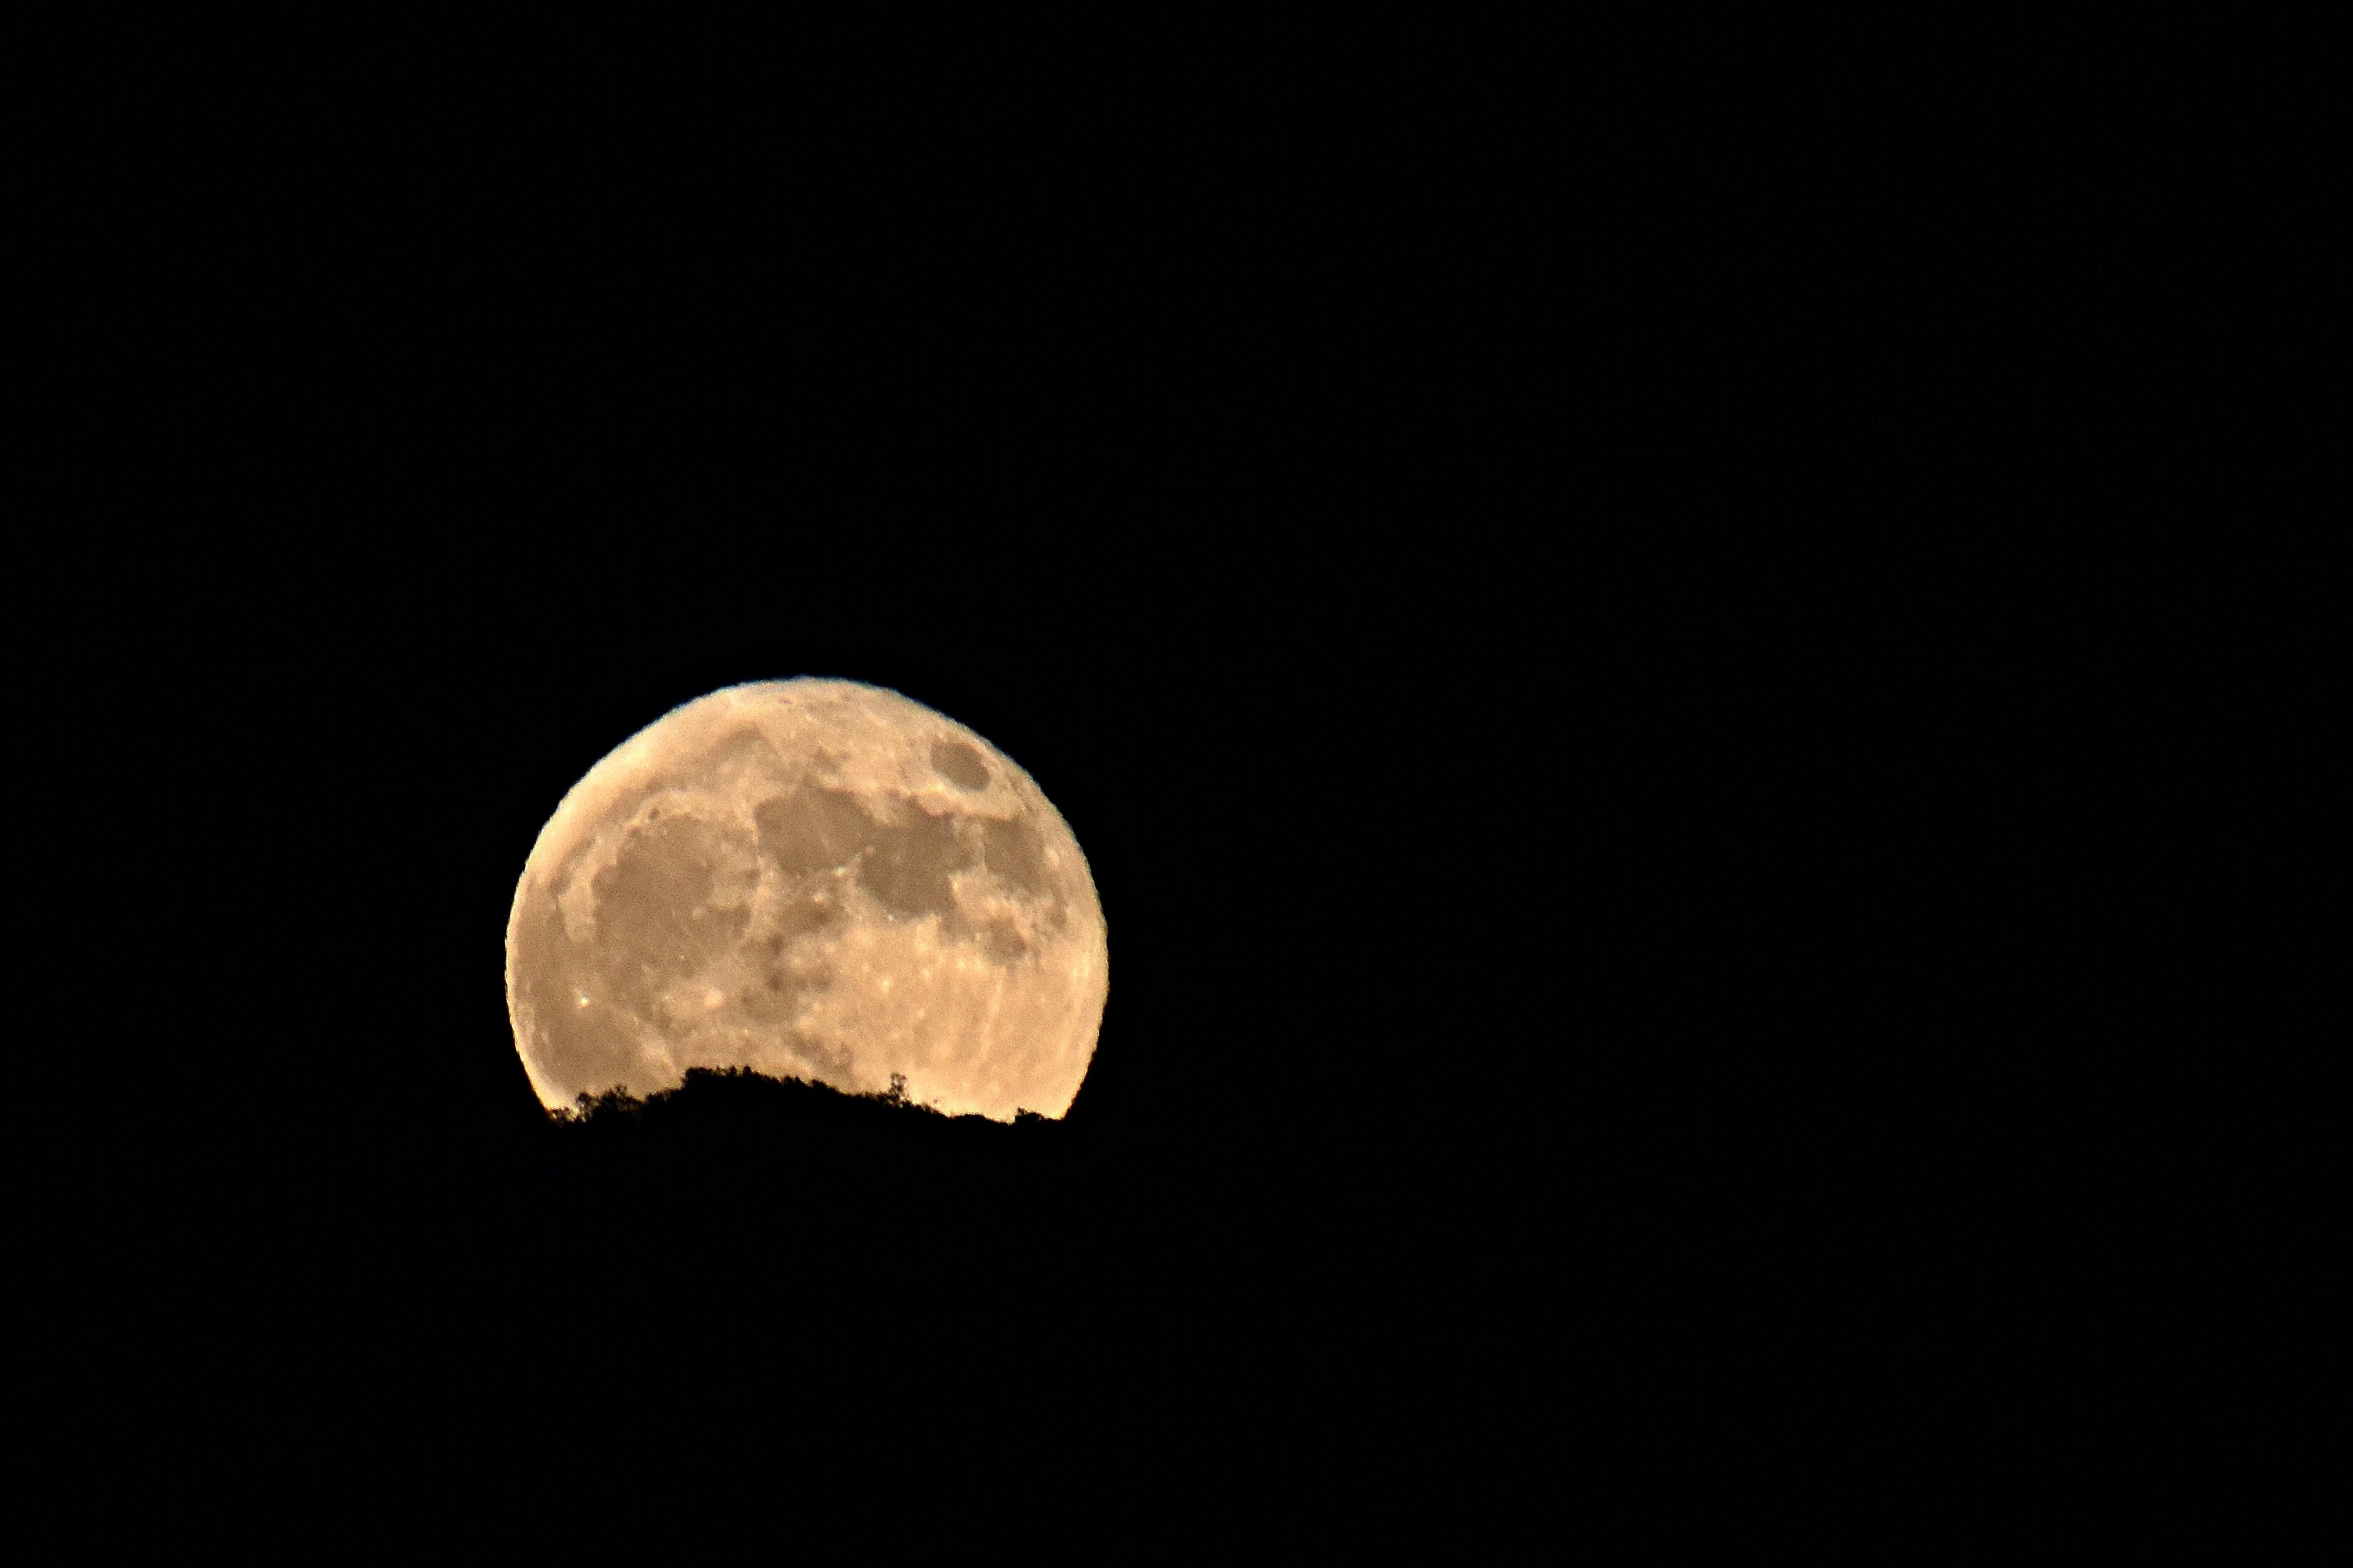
(824, 1229)
(742, 1090)
(733, 1155)
(741, 1140)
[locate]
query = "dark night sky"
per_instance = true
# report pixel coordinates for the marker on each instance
(1482, 571)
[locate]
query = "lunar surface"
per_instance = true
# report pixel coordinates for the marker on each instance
(814, 879)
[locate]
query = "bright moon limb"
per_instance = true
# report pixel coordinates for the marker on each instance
(813, 879)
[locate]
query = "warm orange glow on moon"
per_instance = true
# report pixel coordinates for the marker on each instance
(814, 879)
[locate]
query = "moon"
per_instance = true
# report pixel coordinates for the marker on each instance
(812, 879)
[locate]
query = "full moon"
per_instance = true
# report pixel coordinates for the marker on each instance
(814, 879)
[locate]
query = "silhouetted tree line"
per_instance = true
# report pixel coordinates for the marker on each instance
(741, 1088)
(796, 1187)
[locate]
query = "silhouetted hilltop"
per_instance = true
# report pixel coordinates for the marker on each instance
(751, 1146)
(733, 1097)
(796, 1191)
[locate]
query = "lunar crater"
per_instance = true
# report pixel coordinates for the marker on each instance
(959, 764)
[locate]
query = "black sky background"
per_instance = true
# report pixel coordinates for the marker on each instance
(1552, 602)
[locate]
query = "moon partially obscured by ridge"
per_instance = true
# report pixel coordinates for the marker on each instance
(814, 879)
